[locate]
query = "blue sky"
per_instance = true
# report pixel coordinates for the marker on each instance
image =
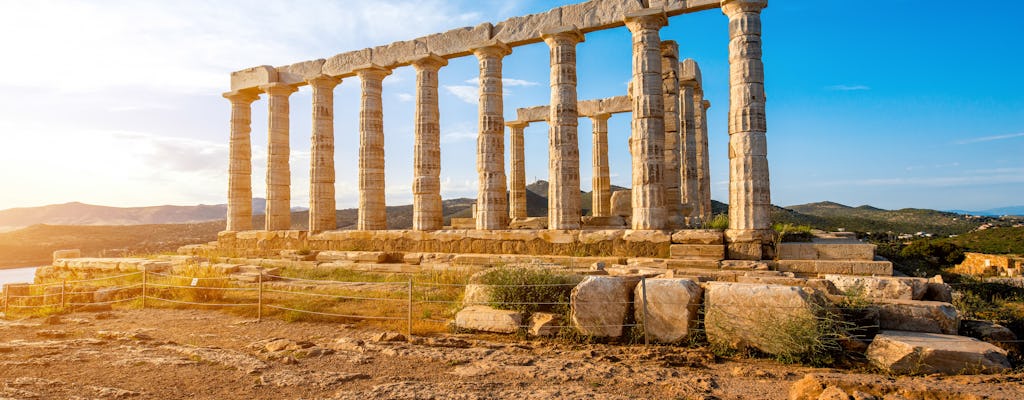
(894, 104)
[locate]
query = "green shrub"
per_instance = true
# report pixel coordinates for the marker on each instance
(527, 289)
(720, 221)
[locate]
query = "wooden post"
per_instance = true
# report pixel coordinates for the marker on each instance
(63, 284)
(144, 270)
(409, 327)
(643, 295)
(259, 297)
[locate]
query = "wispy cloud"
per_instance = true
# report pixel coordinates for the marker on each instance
(847, 88)
(510, 82)
(991, 138)
(405, 97)
(466, 93)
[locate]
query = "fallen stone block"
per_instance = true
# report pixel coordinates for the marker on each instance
(881, 287)
(545, 324)
(670, 306)
(697, 251)
(990, 332)
(601, 304)
(698, 236)
(825, 286)
(775, 319)
(917, 316)
(883, 268)
(902, 352)
(487, 319)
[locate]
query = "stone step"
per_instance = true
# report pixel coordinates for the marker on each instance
(697, 251)
(917, 316)
(816, 267)
(928, 353)
(826, 251)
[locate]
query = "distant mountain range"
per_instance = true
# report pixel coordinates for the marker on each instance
(994, 212)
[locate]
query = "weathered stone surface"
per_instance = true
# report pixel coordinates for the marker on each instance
(463, 223)
(426, 187)
(621, 204)
(253, 77)
(487, 319)
(927, 353)
(918, 316)
(492, 201)
(647, 138)
(113, 264)
(826, 251)
(647, 236)
(592, 15)
(476, 294)
(881, 287)
(614, 221)
(300, 72)
(72, 253)
(545, 324)
(528, 28)
(815, 267)
(697, 251)
(600, 305)
(825, 286)
(564, 200)
(601, 180)
(372, 211)
(670, 306)
(775, 319)
(990, 332)
(698, 236)
(517, 175)
(345, 64)
(458, 42)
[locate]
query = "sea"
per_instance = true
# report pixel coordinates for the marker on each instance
(17, 275)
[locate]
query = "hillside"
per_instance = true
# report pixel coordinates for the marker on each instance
(88, 214)
(1005, 240)
(833, 216)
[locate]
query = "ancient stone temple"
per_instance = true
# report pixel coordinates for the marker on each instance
(668, 142)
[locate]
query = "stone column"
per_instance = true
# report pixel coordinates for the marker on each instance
(564, 210)
(372, 214)
(601, 181)
(688, 83)
(749, 197)
(703, 162)
(647, 139)
(240, 161)
(492, 205)
(670, 87)
(427, 212)
(517, 189)
(279, 192)
(322, 215)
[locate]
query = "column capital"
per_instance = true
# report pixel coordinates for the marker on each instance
(648, 18)
(278, 89)
(689, 83)
(600, 116)
(371, 71)
(706, 104)
(733, 7)
(242, 96)
(517, 124)
(429, 62)
(567, 33)
(689, 70)
(669, 48)
(323, 81)
(491, 48)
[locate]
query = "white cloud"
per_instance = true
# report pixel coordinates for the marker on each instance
(505, 82)
(991, 138)
(468, 94)
(405, 97)
(847, 88)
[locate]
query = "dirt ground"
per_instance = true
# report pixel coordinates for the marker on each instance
(173, 354)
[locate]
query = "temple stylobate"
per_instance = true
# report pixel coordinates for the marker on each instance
(667, 141)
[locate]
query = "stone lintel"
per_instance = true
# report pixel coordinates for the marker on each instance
(251, 78)
(585, 108)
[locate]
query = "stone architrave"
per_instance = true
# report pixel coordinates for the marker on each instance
(239, 216)
(322, 216)
(517, 189)
(671, 88)
(427, 212)
(564, 209)
(647, 139)
(372, 214)
(279, 192)
(749, 196)
(703, 162)
(601, 181)
(492, 205)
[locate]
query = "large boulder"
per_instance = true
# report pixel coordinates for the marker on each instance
(600, 304)
(670, 305)
(918, 316)
(776, 319)
(902, 352)
(486, 319)
(990, 332)
(881, 287)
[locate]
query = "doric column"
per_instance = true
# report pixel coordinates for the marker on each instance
(670, 88)
(240, 161)
(426, 184)
(688, 103)
(647, 139)
(321, 159)
(564, 208)
(517, 189)
(279, 191)
(491, 201)
(601, 181)
(372, 214)
(749, 197)
(703, 162)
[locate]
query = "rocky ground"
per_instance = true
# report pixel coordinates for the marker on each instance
(163, 354)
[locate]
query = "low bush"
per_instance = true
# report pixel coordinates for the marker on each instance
(527, 289)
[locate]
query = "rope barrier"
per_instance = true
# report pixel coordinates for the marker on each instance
(337, 315)
(199, 287)
(202, 304)
(332, 296)
(334, 282)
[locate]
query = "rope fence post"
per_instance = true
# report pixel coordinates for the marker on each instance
(259, 298)
(63, 285)
(145, 269)
(643, 295)
(409, 313)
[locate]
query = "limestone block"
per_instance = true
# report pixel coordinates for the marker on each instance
(486, 319)
(398, 53)
(928, 353)
(880, 287)
(457, 42)
(676, 7)
(990, 332)
(697, 251)
(254, 77)
(476, 294)
(613, 221)
(594, 15)
(698, 264)
(622, 203)
(533, 114)
(299, 73)
(529, 223)
(604, 235)
(545, 324)
(745, 265)
(917, 316)
(528, 28)
(557, 236)
(825, 286)
(698, 236)
(689, 71)
(616, 104)
(600, 305)
(826, 251)
(463, 223)
(72, 253)
(835, 267)
(412, 258)
(647, 236)
(671, 308)
(344, 64)
(775, 319)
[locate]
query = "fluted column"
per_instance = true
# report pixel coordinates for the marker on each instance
(749, 197)
(322, 216)
(670, 88)
(239, 216)
(427, 213)
(372, 214)
(564, 209)
(703, 162)
(601, 181)
(517, 180)
(688, 103)
(647, 139)
(279, 191)
(492, 204)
